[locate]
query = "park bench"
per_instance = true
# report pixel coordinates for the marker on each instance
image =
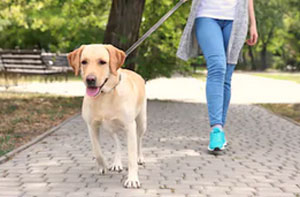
(27, 62)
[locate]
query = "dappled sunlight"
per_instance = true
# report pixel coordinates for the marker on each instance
(70, 88)
(187, 89)
(246, 89)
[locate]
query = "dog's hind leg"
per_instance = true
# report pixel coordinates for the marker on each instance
(94, 136)
(117, 164)
(141, 122)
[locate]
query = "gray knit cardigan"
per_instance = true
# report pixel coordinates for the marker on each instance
(189, 47)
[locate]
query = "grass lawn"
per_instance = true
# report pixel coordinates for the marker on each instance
(282, 76)
(200, 74)
(291, 111)
(25, 115)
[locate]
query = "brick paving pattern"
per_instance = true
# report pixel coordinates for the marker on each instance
(262, 159)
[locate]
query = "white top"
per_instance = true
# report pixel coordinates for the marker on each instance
(218, 9)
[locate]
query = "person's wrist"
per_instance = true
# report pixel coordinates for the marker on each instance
(253, 25)
(252, 22)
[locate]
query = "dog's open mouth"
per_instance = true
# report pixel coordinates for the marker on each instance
(93, 91)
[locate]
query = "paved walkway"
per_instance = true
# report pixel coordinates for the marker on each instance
(246, 88)
(263, 158)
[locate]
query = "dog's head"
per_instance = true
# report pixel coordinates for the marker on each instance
(97, 64)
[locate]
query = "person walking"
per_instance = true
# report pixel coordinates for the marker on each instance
(218, 28)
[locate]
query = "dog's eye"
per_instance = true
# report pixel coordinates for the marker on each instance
(102, 62)
(84, 62)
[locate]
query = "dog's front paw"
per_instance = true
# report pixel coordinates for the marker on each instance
(102, 170)
(132, 183)
(116, 167)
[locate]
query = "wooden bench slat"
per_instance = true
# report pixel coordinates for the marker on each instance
(62, 68)
(18, 56)
(24, 66)
(29, 71)
(27, 62)
(22, 61)
(23, 51)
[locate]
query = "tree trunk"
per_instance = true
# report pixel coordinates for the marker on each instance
(252, 61)
(123, 26)
(264, 50)
(263, 54)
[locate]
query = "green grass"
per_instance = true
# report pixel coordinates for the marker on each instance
(200, 74)
(281, 76)
(26, 115)
(7, 142)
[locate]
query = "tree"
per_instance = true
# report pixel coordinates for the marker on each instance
(292, 46)
(158, 52)
(270, 23)
(269, 14)
(62, 25)
(52, 25)
(123, 26)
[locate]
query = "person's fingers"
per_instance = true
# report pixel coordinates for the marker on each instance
(249, 42)
(252, 40)
(255, 38)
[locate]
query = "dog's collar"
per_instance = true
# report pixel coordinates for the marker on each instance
(118, 81)
(103, 83)
(114, 86)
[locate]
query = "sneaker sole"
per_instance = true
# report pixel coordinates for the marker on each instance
(217, 148)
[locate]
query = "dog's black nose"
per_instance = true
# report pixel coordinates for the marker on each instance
(91, 80)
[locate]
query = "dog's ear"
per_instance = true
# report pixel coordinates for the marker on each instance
(74, 59)
(116, 58)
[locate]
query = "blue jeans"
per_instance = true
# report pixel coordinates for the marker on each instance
(213, 37)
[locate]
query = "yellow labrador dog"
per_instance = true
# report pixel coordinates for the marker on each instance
(114, 101)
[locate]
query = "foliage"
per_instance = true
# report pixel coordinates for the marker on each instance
(53, 25)
(292, 53)
(158, 53)
(278, 27)
(62, 25)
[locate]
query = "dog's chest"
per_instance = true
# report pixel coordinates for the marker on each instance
(106, 114)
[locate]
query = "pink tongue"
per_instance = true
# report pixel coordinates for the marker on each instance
(92, 91)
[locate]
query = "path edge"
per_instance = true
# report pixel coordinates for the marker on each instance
(37, 139)
(278, 115)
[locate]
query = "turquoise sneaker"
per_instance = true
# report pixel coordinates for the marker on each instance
(217, 140)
